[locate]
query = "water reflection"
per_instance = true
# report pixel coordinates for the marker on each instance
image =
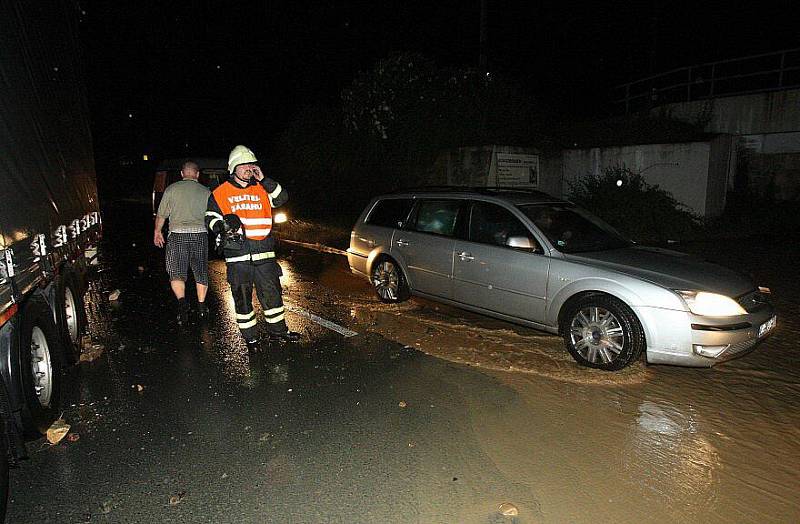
(669, 456)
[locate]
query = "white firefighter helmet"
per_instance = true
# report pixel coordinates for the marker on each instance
(240, 155)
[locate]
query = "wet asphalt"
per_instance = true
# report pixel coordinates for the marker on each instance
(185, 424)
(333, 429)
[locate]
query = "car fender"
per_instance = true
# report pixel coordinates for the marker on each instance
(633, 292)
(380, 251)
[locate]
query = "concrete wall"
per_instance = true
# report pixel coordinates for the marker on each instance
(775, 112)
(682, 169)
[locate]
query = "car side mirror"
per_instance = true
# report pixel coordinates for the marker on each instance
(522, 243)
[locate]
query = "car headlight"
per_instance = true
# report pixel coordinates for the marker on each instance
(711, 304)
(280, 218)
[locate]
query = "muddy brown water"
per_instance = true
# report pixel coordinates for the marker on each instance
(648, 444)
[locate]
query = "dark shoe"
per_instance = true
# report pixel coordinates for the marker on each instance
(183, 312)
(202, 310)
(289, 336)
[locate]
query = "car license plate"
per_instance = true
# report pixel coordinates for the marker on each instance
(767, 326)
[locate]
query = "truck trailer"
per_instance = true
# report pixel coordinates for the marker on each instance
(49, 216)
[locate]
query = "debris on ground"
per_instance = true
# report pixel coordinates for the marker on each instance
(57, 431)
(114, 295)
(138, 387)
(141, 269)
(402, 404)
(174, 500)
(91, 353)
(508, 509)
(105, 507)
(73, 437)
(265, 437)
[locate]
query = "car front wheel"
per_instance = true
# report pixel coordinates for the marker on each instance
(602, 332)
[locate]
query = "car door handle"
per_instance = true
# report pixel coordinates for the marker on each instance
(464, 256)
(402, 243)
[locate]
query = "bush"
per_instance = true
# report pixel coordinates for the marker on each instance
(644, 212)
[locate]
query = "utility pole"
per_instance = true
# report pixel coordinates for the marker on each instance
(482, 60)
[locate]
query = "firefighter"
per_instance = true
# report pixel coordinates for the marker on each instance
(240, 212)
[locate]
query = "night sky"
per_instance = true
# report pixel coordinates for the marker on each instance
(195, 77)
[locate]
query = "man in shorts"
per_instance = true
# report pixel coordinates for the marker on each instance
(184, 204)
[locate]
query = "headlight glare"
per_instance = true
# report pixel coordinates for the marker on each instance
(711, 304)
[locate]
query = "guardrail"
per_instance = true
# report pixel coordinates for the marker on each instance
(765, 72)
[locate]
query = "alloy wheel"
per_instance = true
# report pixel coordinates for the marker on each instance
(386, 280)
(597, 335)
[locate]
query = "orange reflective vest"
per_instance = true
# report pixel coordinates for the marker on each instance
(251, 204)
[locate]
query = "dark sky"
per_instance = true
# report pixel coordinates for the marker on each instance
(212, 73)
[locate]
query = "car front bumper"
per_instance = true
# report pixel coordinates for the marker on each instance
(708, 340)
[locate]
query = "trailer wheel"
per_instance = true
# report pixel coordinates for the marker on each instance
(40, 357)
(71, 315)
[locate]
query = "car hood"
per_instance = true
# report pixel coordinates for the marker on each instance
(669, 269)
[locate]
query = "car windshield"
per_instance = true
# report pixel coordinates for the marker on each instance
(572, 230)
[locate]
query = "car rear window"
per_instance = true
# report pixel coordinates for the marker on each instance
(437, 216)
(390, 212)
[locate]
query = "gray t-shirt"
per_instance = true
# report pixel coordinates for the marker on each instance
(184, 204)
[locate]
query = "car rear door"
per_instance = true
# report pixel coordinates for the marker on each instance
(425, 246)
(492, 276)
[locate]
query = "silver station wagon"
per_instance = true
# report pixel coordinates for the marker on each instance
(529, 258)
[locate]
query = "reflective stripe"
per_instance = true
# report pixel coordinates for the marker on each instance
(257, 232)
(274, 320)
(245, 325)
(273, 311)
(255, 256)
(246, 316)
(277, 191)
(256, 221)
(213, 214)
(211, 224)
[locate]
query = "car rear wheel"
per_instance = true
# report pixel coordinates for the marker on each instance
(389, 282)
(602, 332)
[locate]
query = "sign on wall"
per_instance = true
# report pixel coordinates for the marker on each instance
(517, 170)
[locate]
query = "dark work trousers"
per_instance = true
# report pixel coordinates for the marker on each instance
(266, 277)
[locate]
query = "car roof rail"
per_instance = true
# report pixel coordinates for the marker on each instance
(473, 189)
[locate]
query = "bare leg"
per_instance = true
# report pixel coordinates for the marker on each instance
(201, 292)
(179, 288)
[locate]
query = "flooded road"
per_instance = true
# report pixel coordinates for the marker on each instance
(428, 415)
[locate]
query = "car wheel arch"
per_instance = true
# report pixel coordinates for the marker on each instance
(379, 256)
(567, 304)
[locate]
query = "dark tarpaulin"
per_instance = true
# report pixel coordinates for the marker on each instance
(47, 173)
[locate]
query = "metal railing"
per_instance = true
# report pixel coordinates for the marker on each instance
(765, 72)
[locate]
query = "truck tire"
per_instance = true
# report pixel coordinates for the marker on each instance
(70, 315)
(40, 351)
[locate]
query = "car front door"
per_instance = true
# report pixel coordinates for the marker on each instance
(425, 245)
(490, 274)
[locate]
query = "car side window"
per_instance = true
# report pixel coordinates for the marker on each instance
(438, 217)
(493, 224)
(390, 212)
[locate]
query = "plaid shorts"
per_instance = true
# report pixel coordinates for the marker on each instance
(185, 250)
